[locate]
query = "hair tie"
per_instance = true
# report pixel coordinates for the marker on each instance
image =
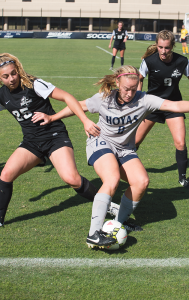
(127, 74)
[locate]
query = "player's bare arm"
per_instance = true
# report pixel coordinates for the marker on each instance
(175, 106)
(65, 113)
(140, 84)
(111, 41)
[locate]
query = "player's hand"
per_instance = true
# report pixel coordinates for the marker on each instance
(109, 46)
(38, 116)
(91, 128)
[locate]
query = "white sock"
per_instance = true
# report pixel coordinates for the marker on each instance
(100, 206)
(127, 206)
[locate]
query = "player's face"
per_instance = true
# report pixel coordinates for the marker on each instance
(127, 89)
(164, 48)
(9, 76)
(120, 26)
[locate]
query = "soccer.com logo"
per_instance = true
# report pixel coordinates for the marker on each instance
(105, 36)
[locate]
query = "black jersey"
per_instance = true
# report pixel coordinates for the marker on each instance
(119, 36)
(23, 103)
(163, 78)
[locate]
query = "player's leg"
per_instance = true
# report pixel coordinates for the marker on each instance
(142, 131)
(186, 47)
(178, 131)
(64, 162)
(113, 58)
(107, 169)
(122, 56)
(135, 174)
(183, 48)
(19, 162)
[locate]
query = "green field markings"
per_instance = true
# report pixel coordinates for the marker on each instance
(86, 262)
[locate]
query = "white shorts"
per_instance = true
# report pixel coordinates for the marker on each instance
(99, 146)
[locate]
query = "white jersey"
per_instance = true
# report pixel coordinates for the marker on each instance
(118, 122)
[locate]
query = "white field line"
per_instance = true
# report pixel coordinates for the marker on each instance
(107, 51)
(104, 263)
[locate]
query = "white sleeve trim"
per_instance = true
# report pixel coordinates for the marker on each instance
(42, 88)
(186, 71)
(143, 68)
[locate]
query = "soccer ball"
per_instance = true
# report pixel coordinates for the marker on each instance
(117, 230)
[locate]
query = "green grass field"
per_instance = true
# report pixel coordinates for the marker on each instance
(47, 220)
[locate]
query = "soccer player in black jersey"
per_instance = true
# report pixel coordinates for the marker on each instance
(22, 95)
(165, 69)
(120, 36)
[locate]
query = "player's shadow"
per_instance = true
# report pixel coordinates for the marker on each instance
(173, 167)
(70, 202)
(155, 206)
(47, 164)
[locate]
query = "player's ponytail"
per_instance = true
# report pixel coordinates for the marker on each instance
(26, 80)
(108, 82)
(150, 50)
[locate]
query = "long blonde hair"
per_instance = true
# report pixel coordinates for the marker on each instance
(164, 35)
(108, 82)
(25, 79)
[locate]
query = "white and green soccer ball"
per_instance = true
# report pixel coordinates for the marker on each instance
(116, 230)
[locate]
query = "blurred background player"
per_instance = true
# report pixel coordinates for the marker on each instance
(120, 35)
(165, 69)
(183, 39)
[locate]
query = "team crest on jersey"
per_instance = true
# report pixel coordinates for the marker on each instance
(176, 73)
(25, 101)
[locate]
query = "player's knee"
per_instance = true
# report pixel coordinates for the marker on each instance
(180, 145)
(143, 184)
(6, 175)
(74, 180)
(112, 182)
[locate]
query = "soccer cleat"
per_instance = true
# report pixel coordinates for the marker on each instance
(184, 182)
(100, 239)
(132, 227)
(113, 209)
(111, 68)
(1, 224)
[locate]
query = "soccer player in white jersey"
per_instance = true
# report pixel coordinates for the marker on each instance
(165, 69)
(121, 109)
(22, 95)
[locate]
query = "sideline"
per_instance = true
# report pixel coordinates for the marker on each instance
(86, 262)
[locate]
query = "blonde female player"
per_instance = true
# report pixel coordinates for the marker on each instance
(22, 95)
(165, 69)
(121, 109)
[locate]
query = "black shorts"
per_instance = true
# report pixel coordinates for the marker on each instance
(119, 46)
(160, 116)
(46, 148)
(183, 40)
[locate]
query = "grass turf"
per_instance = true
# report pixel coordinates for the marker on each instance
(47, 219)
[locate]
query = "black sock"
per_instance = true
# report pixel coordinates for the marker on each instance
(122, 61)
(87, 189)
(113, 60)
(5, 196)
(182, 161)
